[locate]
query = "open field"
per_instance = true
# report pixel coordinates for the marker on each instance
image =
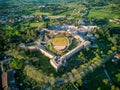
(104, 12)
(114, 24)
(60, 41)
(40, 13)
(75, 5)
(36, 24)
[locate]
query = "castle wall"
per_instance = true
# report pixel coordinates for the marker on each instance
(54, 64)
(46, 53)
(75, 50)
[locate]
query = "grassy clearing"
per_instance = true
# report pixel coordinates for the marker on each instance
(114, 24)
(36, 24)
(46, 67)
(60, 41)
(54, 17)
(73, 44)
(43, 63)
(102, 14)
(75, 5)
(40, 13)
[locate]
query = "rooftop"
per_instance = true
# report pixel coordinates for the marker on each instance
(118, 56)
(8, 80)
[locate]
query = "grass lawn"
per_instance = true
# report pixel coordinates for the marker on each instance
(55, 16)
(75, 5)
(73, 44)
(40, 13)
(45, 66)
(60, 41)
(36, 24)
(102, 14)
(114, 24)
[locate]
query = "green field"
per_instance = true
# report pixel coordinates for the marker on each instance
(60, 41)
(36, 24)
(75, 5)
(40, 13)
(73, 44)
(114, 24)
(104, 12)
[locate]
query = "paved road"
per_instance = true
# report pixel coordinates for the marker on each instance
(107, 75)
(8, 59)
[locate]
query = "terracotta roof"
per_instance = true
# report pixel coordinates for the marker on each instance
(118, 55)
(8, 80)
(4, 80)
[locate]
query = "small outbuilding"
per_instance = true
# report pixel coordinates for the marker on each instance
(116, 58)
(8, 80)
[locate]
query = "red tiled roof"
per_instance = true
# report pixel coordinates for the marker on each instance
(118, 55)
(8, 79)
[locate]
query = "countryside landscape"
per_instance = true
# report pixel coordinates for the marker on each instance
(59, 45)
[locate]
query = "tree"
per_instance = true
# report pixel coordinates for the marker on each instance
(79, 82)
(17, 64)
(2, 43)
(118, 77)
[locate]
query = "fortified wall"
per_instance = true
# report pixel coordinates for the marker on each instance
(72, 52)
(56, 61)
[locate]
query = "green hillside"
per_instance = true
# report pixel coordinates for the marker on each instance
(46, 1)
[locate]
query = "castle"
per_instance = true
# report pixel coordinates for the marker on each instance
(58, 61)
